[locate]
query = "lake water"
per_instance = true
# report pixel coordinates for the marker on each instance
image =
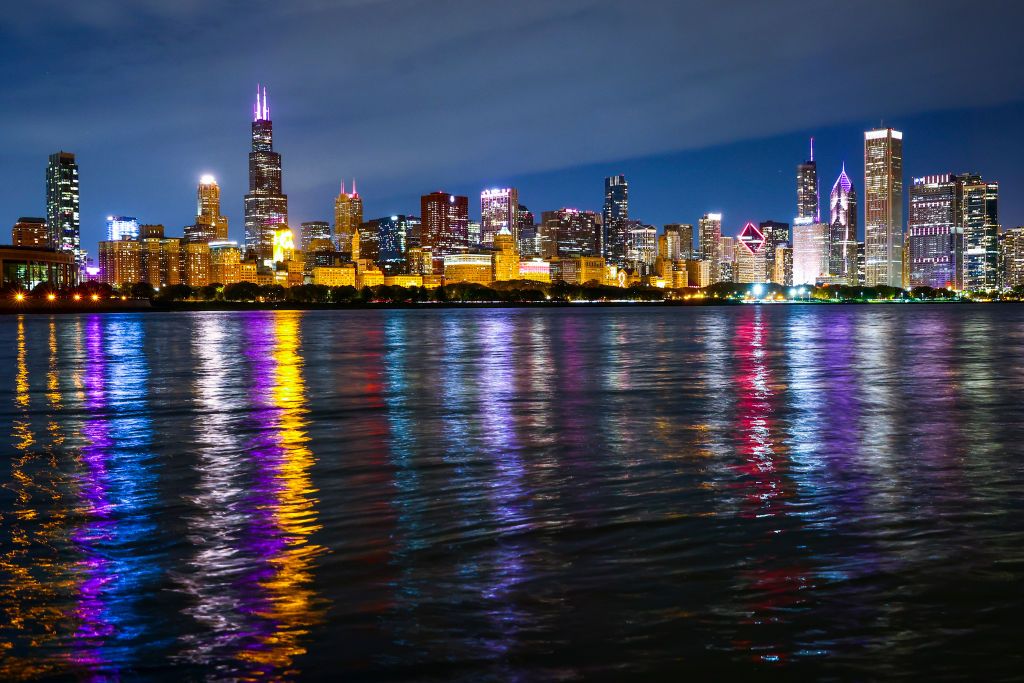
(514, 494)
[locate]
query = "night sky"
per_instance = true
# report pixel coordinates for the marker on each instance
(704, 106)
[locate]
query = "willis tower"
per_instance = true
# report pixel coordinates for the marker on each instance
(266, 207)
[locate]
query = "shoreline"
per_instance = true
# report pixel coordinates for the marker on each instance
(230, 306)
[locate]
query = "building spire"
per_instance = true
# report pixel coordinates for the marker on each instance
(354, 192)
(343, 186)
(812, 148)
(266, 107)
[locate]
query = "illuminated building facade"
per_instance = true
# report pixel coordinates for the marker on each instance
(776, 234)
(28, 267)
(335, 276)
(225, 262)
(750, 255)
(810, 251)
(808, 204)
(30, 232)
(935, 234)
(122, 228)
(210, 225)
(614, 220)
(476, 268)
(981, 232)
(348, 216)
(506, 256)
(120, 263)
(445, 226)
(314, 233)
(536, 269)
(1011, 245)
(641, 245)
(160, 257)
(266, 206)
(529, 242)
(883, 208)
(842, 259)
(570, 233)
(62, 217)
(783, 267)
(698, 273)
(498, 208)
(727, 259)
(195, 263)
(394, 237)
(679, 238)
(709, 243)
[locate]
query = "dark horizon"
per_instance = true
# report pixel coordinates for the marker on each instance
(694, 126)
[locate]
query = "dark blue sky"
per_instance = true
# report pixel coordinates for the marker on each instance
(705, 106)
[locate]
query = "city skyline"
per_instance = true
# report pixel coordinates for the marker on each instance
(709, 154)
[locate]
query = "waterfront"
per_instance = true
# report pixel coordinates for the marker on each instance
(526, 494)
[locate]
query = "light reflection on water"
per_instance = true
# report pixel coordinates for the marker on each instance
(513, 494)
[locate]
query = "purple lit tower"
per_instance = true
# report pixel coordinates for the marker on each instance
(842, 237)
(266, 207)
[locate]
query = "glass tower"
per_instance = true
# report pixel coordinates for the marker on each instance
(842, 258)
(807, 199)
(981, 232)
(266, 207)
(62, 216)
(615, 218)
(883, 207)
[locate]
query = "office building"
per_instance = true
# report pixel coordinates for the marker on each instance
(120, 263)
(498, 207)
(807, 198)
(883, 208)
(782, 272)
(210, 225)
(709, 243)
(842, 260)
(935, 233)
(122, 228)
(506, 256)
(225, 262)
(1011, 245)
(750, 255)
(62, 217)
(266, 206)
(570, 233)
(445, 227)
(981, 232)
(680, 239)
(776, 234)
(614, 220)
(810, 251)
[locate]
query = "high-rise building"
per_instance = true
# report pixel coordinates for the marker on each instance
(529, 243)
(981, 232)
(30, 232)
(160, 256)
(122, 228)
(810, 251)
(709, 243)
(1011, 245)
(680, 240)
(62, 217)
(727, 259)
(266, 207)
(614, 219)
(498, 207)
(883, 207)
(776, 234)
(120, 263)
(210, 225)
(641, 245)
(445, 226)
(394, 241)
(225, 262)
(842, 259)
(750, 255)
(808, 205)
(348, 216)
(195, 264)
(783, 273)
(570, 233)
(935, 234)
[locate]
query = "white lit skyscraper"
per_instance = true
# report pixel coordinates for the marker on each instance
(62, 217)
(709, 243)
(122, 228)
(498, 208)
(883, 208)
(935, 235)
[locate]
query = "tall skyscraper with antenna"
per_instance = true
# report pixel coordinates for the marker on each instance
(842, 259)
(266, 207)
(807, 204)
(348, 216)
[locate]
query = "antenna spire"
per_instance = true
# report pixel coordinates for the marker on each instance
(354, 193)
(812, 148)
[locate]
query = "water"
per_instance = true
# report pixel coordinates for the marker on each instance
(514, 494)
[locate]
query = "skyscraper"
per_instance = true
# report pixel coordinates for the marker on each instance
(396, 233)
(981, 232)
(62, 218)
(313, 235)
(266, 207)
(1012, 257)
(529, 245)
(614, 219)
(842, 259)
(807, 198)
(210, 225)
(348, 216)
(498, 207)
(445, 226)
(935, 235)
(883, 207)
(750, 255)
(709, 243)
(810, 251)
